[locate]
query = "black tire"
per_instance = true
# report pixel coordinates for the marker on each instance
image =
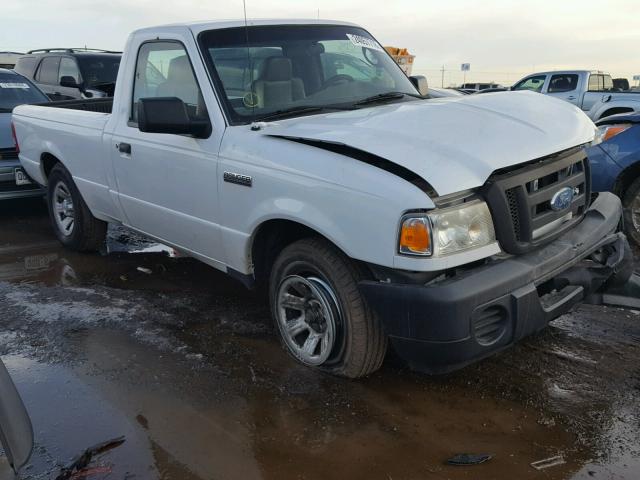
(360, 343)
(87, 233)
(629, 196)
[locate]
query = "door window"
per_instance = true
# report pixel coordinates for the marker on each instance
(534, 83)
(69, 68)
(563, 83)
(163, 69)
(48, 71)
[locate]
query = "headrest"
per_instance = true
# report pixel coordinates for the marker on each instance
(277, 69)
(179, 68)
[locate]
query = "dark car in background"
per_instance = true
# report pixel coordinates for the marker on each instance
(615, 166)
(14, 90)
(71, 73)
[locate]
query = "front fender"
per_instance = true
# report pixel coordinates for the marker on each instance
(354, 205)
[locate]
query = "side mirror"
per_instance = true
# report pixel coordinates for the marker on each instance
(421, 84)
(169, 115)
(69, 82)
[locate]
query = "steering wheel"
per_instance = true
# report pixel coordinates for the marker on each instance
(336, 79)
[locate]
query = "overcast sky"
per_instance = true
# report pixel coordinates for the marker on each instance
(503, 40)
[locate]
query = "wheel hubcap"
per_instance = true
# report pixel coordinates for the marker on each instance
(307, 311)
(63, 209)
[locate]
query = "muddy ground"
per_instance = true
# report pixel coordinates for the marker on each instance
(184, 363)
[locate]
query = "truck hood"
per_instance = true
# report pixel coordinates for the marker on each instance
(452, 143)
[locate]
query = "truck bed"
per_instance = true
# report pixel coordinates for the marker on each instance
(98, 105)
(72, 132)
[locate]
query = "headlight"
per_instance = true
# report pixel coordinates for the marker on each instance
(606, 132)
(445, 231)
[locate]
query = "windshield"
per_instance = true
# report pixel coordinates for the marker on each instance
(99, 69)
(284, 67)
(16, 90)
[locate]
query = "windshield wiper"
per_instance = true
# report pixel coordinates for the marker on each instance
(297, 110)
(380, 97)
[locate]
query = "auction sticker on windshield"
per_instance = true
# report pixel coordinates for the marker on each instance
(365, 42)
(14, 85)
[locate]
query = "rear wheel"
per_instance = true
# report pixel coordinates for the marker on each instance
(72, 221)
(320, 314)
(631, 204)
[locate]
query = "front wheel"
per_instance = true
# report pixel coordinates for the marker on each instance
(631, 204)
(320, 314)
(72, 221)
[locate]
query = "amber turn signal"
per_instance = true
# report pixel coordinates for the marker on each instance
(415, 236)
(614, 130)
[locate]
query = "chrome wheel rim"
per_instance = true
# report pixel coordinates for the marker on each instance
(635, 213)
(63, 209)
(307, 310)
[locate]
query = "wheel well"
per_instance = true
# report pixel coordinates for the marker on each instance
(626, 178)
(614, 111)
(270, 239)
(48, 161)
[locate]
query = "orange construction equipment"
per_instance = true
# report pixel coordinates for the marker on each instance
(402, 58)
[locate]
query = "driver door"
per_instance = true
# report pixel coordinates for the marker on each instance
(167, 182)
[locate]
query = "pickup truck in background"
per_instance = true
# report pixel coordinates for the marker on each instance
(297, 156)
(592, 91)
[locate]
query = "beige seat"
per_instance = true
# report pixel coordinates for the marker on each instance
(276, 85)
(180, 82)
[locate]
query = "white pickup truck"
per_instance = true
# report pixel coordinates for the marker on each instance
(592, 91)
(297, 155)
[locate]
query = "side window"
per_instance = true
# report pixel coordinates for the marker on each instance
(69, 68)
(595, 83)
(563, 83)
(534, 83)
(26, 66)
(48, 70)
(163, 70)
(607, 83)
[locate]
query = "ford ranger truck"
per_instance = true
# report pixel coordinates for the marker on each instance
(592, 91)
(296, 155)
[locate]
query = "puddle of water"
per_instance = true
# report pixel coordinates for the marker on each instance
(185, 363)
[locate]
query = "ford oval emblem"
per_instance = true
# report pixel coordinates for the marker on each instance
(562, 199)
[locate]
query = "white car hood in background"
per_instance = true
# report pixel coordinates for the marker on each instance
(452, 143)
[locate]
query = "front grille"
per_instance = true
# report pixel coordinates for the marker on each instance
(514, 209)
(520, 199)
(8, 153)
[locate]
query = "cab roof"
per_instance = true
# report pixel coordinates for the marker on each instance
(197, 27)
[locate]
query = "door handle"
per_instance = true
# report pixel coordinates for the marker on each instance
(124, 148)
(571, 98)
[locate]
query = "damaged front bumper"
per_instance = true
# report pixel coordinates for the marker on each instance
(445, 326)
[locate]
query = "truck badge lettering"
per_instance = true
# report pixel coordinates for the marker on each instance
(239, 179)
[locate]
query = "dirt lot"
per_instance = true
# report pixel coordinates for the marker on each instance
(184, 363)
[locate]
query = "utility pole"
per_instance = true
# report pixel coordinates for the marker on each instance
(442, 78)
